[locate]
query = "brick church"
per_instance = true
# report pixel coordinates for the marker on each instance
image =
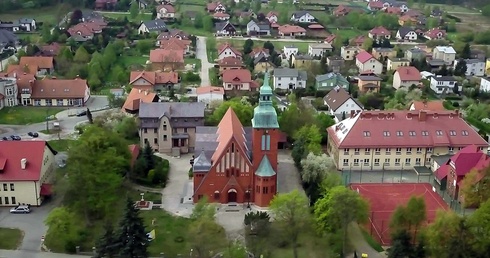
(236, 164)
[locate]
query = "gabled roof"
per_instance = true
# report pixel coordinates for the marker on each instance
(379, 31)
(175, 44)
(433, 33)
(219, 26)
(403, 31)
(444, 78)
(59, 89)
(137, 96)
(287, 29)
(364, 56)
(272, 13)
(7, 37)
(229, 128)
(220, 15)
(237, 75)
(408, 73)
(213, 5)
(299, 14)
(468, 158)
(230, 61)
(330, 38)
(201, 163)
(166, 56)
(42, 62)
(226, 46)
(155, 25)
(289, 72)
(172, 109)
(265, 168)
(172, 33)
(210, 89)
(154, 77)
(432, 105)
(336, 97)
(169, 8)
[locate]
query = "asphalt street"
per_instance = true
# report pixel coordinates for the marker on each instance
(202, 54)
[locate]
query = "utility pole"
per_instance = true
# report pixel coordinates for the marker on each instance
(47, 120)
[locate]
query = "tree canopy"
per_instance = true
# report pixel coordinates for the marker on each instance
(243, 109)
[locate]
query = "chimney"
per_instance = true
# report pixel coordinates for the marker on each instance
(23, 163)
(422, 115)
(146, 92)
(31, 83)
(409, 115)
(456, 113)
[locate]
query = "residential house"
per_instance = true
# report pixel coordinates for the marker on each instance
(87, 30)
(52, 49)
(316, 28)
(224, 29)
(154, 81)
(154, 26)
(366, 62)
(173, 34)
(435, 64)
(379, 33)
(478, 54)
(44, 64)
(487, 66)
(358, 41)
(394, 63)
(369, 83)
(330, 39)
(400, 5)
(458, 166)
(398, 139)
(291, 31)
(8, 92)
(226, 50)
(272, 17)
(341, 10)
(432, 105)
(28, 170)
(445, 53)
(340, 103)
(253, 180)
(58, 92)
(436, 12)
(216, 7)
(176, 44)
(474, 67)
(24, 83)
(407, 20)
(319, 49)
(208, 94)
(7, 39)
(167, 60)
(288, 51)
(230, 63)
(137, 96)
(259, 51)
(245, 16)
(406, 76)
(434, 34)
(289, 79)
(13, 26)
(375, 5)
(238, 80)
(221, 16)
(302, 17)
(302, 61)
(170, 127)
(105, 4)
(415, 53)
(258, 28)
(383, 53)
(349, 53)
(335, 63)
(331, 80)
(165, 11)
(27, 24)
(263, 64)
(444, 84)
(406, 33)
(485, 84)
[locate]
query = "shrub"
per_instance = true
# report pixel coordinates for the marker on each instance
(70, 247)
(454, 98)
(191, 174)
(456, 104)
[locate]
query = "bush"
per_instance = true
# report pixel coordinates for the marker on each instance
(70, 247)
(453, 98)
(191, 174)
(456, 104)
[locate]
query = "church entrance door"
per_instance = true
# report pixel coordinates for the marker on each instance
(232, 195)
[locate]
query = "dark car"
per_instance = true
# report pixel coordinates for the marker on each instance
(5, 138)
(15, 137)
(82, 113)
(33, 134)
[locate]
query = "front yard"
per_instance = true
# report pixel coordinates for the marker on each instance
(10, 238)
(60, 145)
(27, 115)
(194, 61)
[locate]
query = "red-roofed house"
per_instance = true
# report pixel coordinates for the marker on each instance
(393, 10)
(216, 7)
(432, 105)
(165, 11)
(341, 10)
(358, 41)
(157, 81)
(167, 60)
(330, 39)
(230, 63)
(398, 140)
(291, 31)
(52, 49)
(434, 34)
(27, 170)
(272, 17)
(58, 92)
(137, 96)
(375, 5)
(379, 33)
(208, 94)
(221, 16)
(226, 50)
(238, 80)
(87, 30)
(175, 44)
(44, 64)
(366, 62)
(406, 76)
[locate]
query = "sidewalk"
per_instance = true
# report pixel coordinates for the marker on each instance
(359, 243)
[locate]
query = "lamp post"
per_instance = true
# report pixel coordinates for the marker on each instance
(248, 197)
(47, 119)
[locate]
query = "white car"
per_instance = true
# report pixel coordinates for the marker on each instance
(20, 209)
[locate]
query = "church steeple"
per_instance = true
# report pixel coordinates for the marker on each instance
(265, 115)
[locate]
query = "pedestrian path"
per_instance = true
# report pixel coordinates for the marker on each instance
(360, 244)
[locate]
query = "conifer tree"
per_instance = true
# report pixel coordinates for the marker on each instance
(107, 247)
(132, 236)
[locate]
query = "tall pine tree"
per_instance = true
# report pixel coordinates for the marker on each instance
(132, 237)
(107, 247)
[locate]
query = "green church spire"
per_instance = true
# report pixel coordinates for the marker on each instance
(265, 115)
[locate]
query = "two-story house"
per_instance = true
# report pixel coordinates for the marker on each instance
(379, 33)
(165, 11)
(444, 84)
(153, 26)
(365, 62)
(406, 33)
(302, 17)
(340, 104)
(445, 53)
(394, 63)
(167, 60)
(383, 53)
(8, 92)
(485, 85)
(335, 63)
(349, 53)
(216, 7)
(415, 53)
(262, 63)
(136, 96)
(289, 50)
(369, 83)
(272, 17)
(58, 92)
(227, 50)
(406, 76)
(170, 127)
(258, 28)
(435, 33)
(221, 16)
(209, 94)
(331, 80)
(156, 81)
(43, 65)
(238, 80)
(302, 61)
(230, 63)
(474, 67)
(319, 49)
(224, 29)
(289, 79)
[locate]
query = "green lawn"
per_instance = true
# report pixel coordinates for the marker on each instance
(45, 14)
(140, 17)
(370, 240)
(448, 8)
(347, 34)
(213, 76)
(197, 62)
(10, 238)
(148, 196)
(133, 60)
(193, 31)
(26, 115)
(279, 45)
(60, 145)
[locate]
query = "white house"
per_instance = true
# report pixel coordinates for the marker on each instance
(485, 85)
(474, 67)
(289, 79)
(226, 50)
(406, 76)
(165, 11)
(340, 104)
(28, 24)
(348, 53)
(319, 49)
(208, 94)
(366, 62)
(444, 84)
(254, 28)
(406, 33)
(445, 53)
(288, 51)
(272, 17)
(152, 26)
(302, 17)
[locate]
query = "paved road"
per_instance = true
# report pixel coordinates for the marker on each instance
(288, 178)
(267, 39)
(359, 243)
(19, 254)
(202, 54)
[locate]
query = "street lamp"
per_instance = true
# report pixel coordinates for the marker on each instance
(248, 197)
(47, 119)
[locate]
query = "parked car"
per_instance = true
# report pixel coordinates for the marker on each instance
(15, 137)
(33, 134)
(82, 113)
(21, 209)
(5, 138)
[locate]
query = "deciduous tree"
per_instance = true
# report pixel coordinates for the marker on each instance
(81, 55)
(242, 109)
(474, 191)
(133, 10)
(409, 217)
(62, 225)
(291, 212)
(315, 167)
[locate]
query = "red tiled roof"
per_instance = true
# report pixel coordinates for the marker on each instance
(468, 158)
(432, 33)
(408, 73)
(225, 46)
(14, 70)
(379, 31)
(341, 10)
(330, 38)
(412, 13)
(51, 50)
(405, 18)
(364, 56)
(59, 89)
(433, 105)
(272, 13)
(136, 96)
(166, 56)
(134, 150)
(316, 26)
(174, 44)
(375, 4)
(209, 89)
(87, 29)
(287, 29)
(444, 128)
(154, 77)
(229, 129)
(442, 172)
(220, 15)
(230, 61)
(24, 80)
(275, 25)
(237, 76)
(393, 10)
(212, 6)
(42, 62)
(359, 39)
(169, 8)
(11, 154)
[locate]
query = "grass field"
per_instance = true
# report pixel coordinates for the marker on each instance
(448, 8)
(132, 60)
(60, 145)
(140, 17)
(238, 43)
(195, 61)
(10, 238)
(350, 34)
(45, 14)
(26, 115)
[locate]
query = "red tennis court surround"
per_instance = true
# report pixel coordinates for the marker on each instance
(385, 198)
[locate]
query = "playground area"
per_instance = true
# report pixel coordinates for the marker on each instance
(385, 198)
